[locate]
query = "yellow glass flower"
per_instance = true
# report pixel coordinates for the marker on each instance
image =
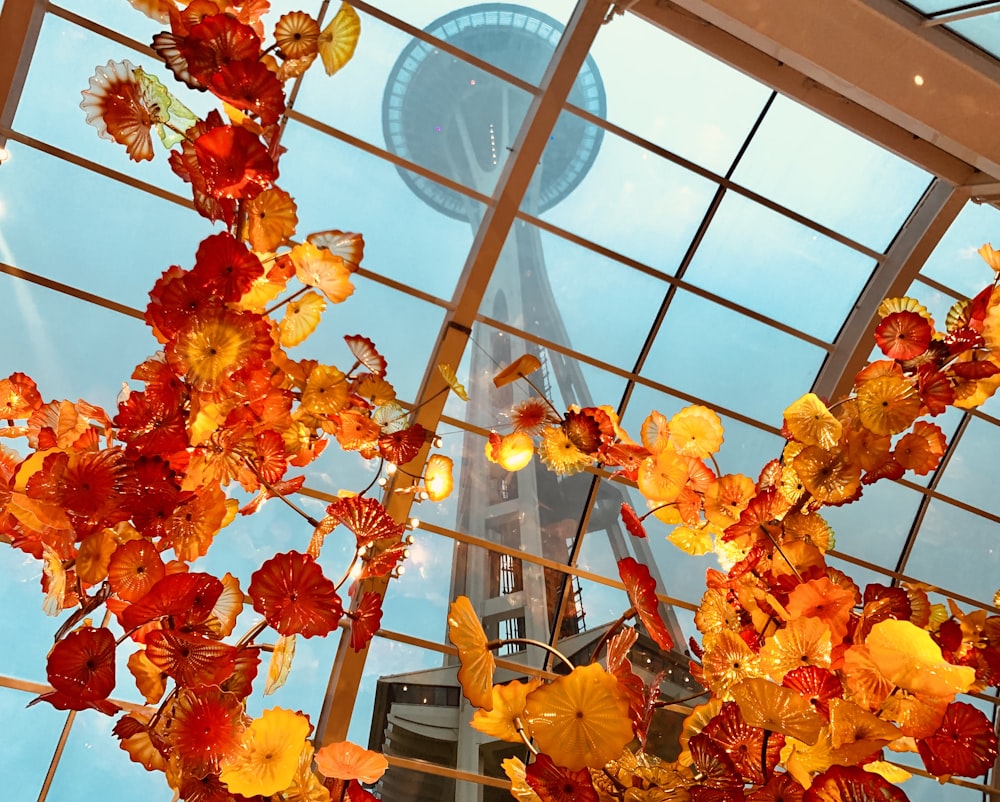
(519, 788)
(339, 38)
(696, 431)
(716, 613)
(810, 422)
(692, 540)
(271, 219)
(507, 715)
(801, 642)
(909, 658)
(515, 451)
(476, 674)
(887, 405)
(326, 390)
(269, 756)
(438, 481)
(778, 709)
(301, 318)
(305, 785)
(297, 34)
(812, 528)
(662, 477)
(558, 452)
(580, 719)
(655, 432)
(828, 475)
(727, 661)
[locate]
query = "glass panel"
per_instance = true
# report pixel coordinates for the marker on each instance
(810, 164)
(49, 110)
(704, 116)
(775, 266)
(91, 744)
(430, 108)
(35, 733)
(876, 527)
(21, 595)
(428, 12)
(72, 349)
(943, 554)
(427, 253)
(557, 290)
(982, 31)
(116, 248)
(712, 353)
(955, 261)
(970, 473)
(644, 207)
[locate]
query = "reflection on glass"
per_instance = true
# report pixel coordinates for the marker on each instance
(810, 164)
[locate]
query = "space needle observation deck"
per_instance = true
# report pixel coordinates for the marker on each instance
(452, 118)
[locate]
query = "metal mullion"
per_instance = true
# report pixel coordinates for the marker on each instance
(917, 238)
(398, 161)
(970, 10)
(94, 167)
(563, 568)
(516, 175)
(20, 24)
(925, 501)
(101, 30)
(673, 281)
(73, 292)
(724, 182)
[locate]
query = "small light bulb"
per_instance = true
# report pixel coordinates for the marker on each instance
(423, 495)
(382, 481)
(390, 468)
(438, 442)
(4, 154)
(918, 80)
(414, 523)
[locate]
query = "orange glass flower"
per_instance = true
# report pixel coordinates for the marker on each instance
(347, 761)
(506, 720)
(476, 673)
(297, 35)
(580, 719)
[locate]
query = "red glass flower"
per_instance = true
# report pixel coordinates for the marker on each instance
(292, 593)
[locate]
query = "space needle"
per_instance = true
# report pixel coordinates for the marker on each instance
(458, 121)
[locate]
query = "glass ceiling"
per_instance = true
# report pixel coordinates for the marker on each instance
(976, 22)
(718, 244)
